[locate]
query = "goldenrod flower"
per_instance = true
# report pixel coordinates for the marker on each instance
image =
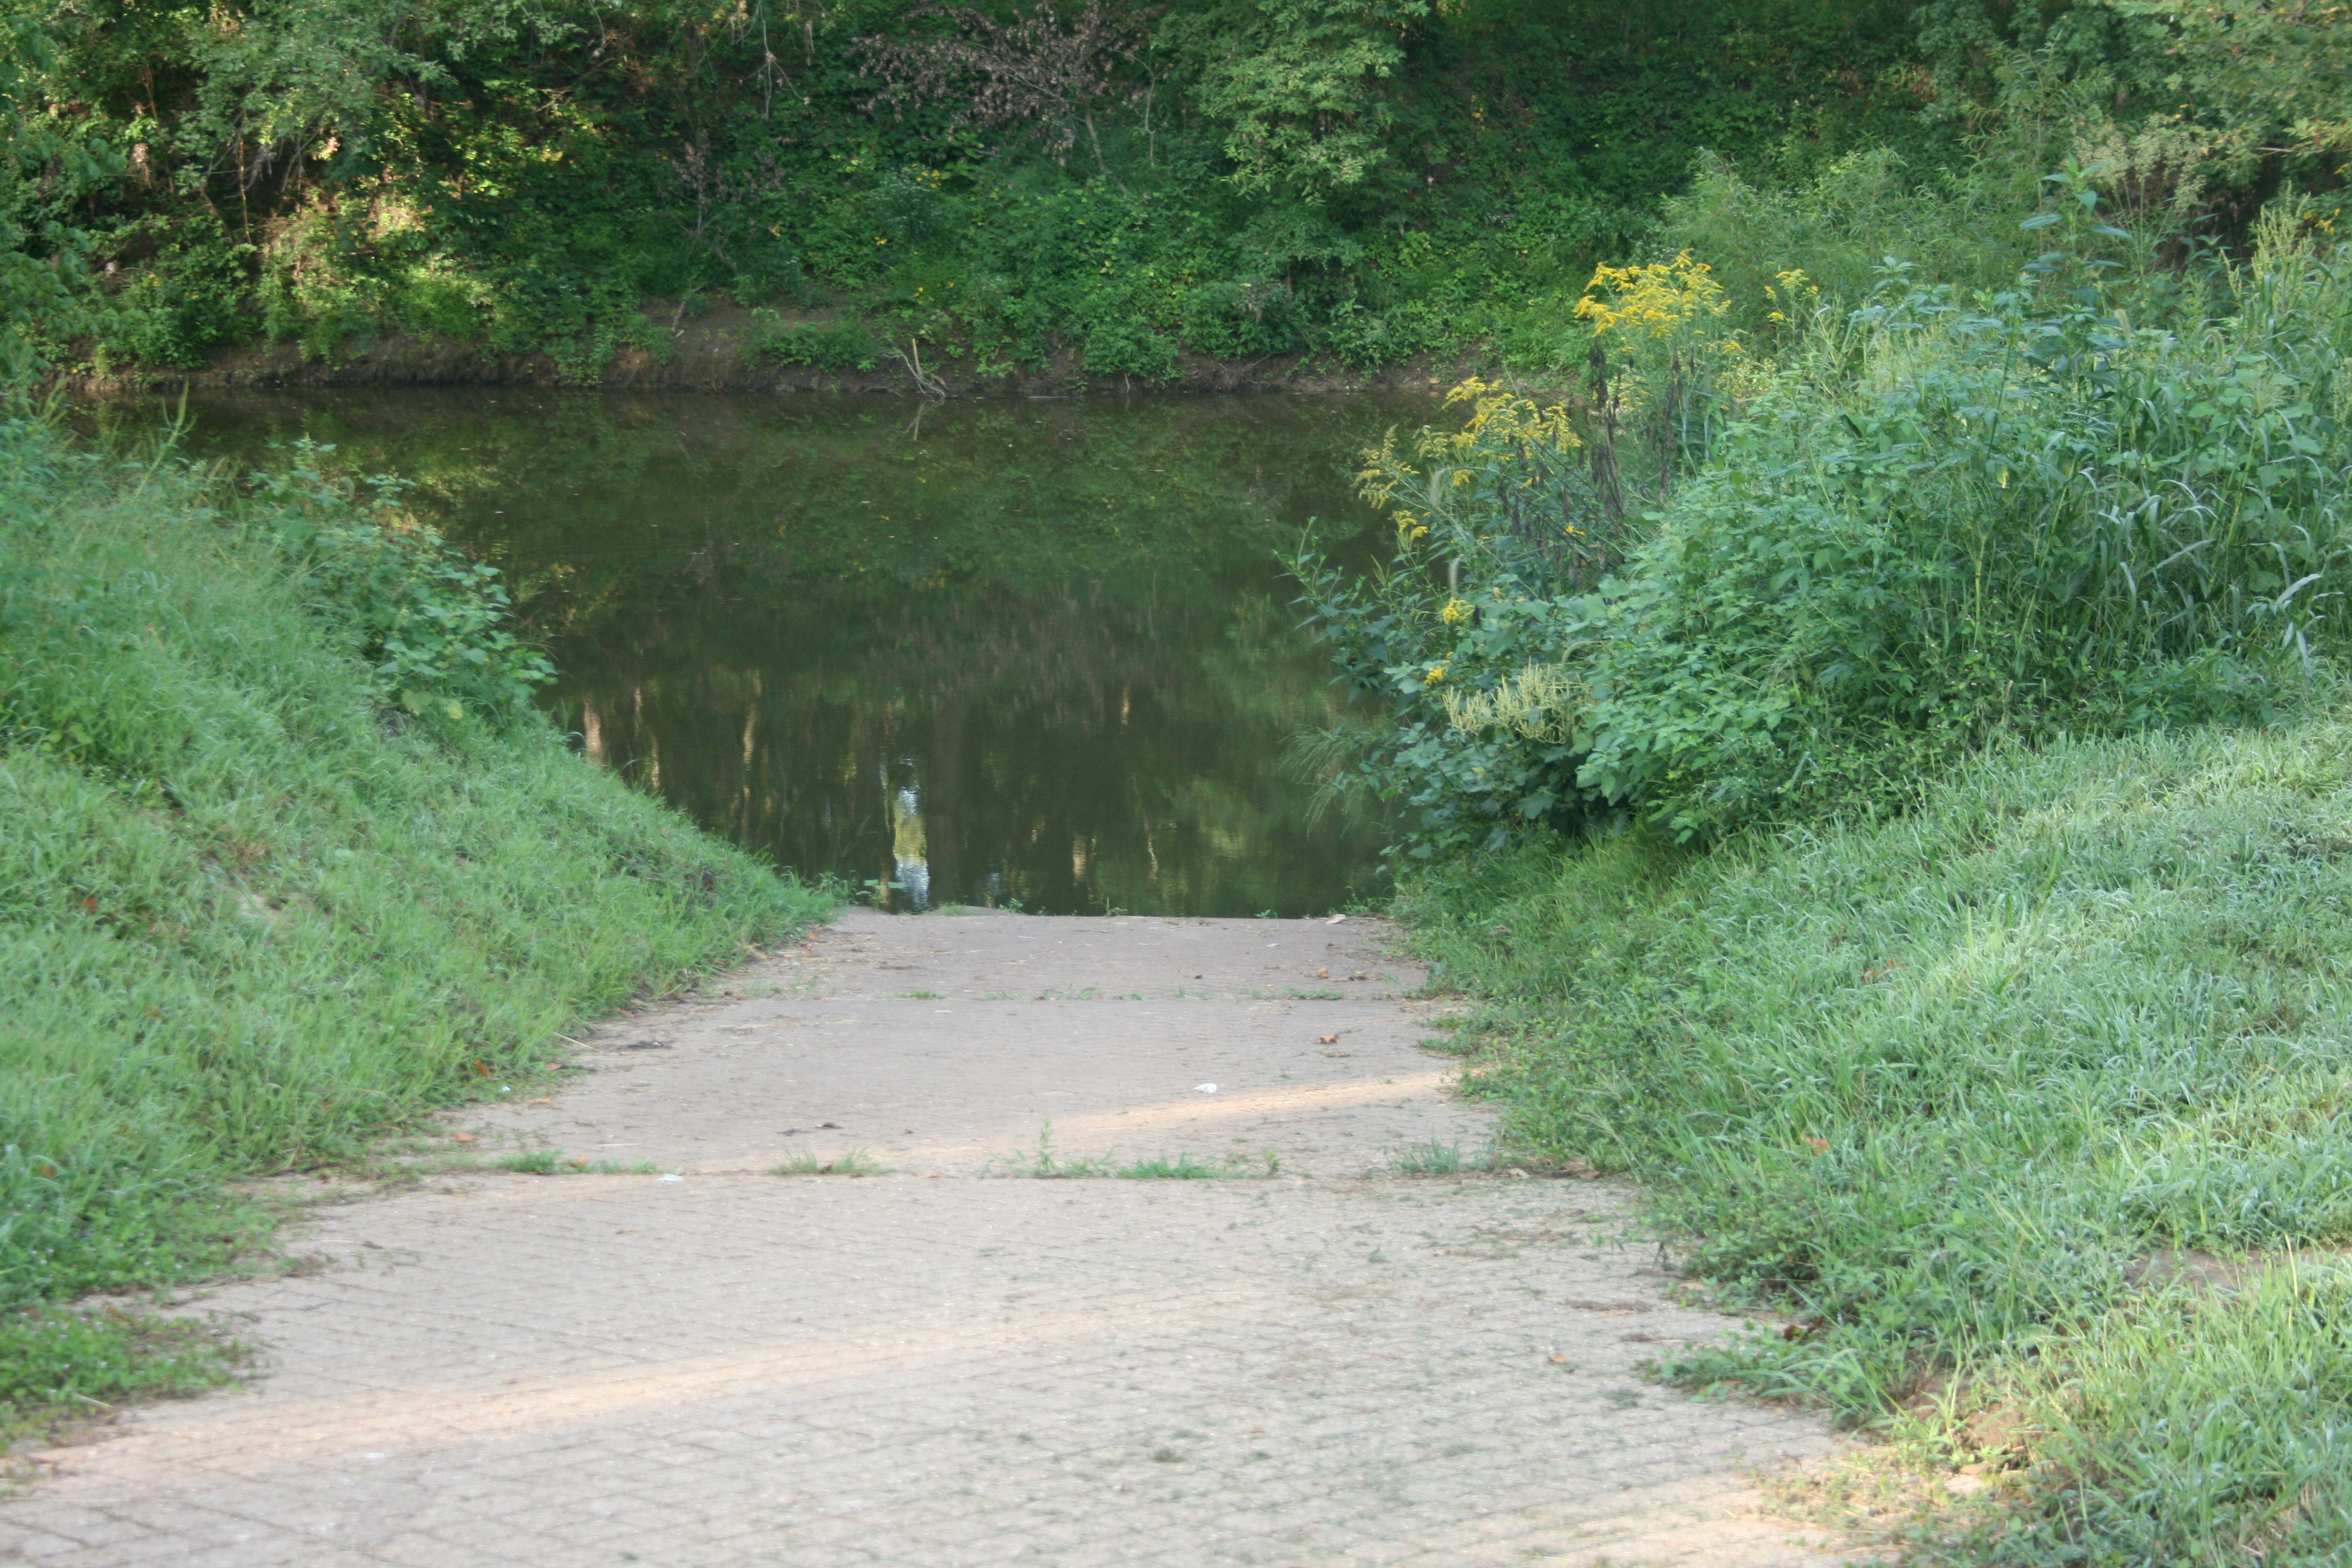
(1653, 301)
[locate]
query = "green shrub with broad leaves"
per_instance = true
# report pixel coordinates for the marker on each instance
(434, 626)
(1127, 348)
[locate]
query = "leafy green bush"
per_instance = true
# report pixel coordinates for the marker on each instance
(1934, 525)
(908, 207)
(193, 294)
(1970, 545)
(1956, 228)
(1129, 348)
(831, 346)
(434, 626)
(1493, 522)
(1234, 318)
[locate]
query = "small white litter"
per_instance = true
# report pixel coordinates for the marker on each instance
(1205, 1087)
(669, 1176)
(1335, 920)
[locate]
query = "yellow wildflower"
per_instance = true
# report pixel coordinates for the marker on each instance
(1655, 301)
(1795, 289)
(1457, 611)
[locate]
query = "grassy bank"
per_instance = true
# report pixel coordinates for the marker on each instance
(2016, 1117)
(286, 862)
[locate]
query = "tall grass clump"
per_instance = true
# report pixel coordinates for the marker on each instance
(286, 858)
(1957, 226)
(2022, 1111)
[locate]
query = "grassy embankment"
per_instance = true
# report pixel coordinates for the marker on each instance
(255, 912)
(2019, 1112)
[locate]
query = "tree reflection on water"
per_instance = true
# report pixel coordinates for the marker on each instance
(1027, 654)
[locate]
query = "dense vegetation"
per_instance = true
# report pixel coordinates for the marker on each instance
(286, 860)
(1111, 183)
(1869, 723)
(1873, 743)
(2016, 1120)
(1802, 570)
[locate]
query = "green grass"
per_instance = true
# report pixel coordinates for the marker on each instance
(250, 922)
(852, 1163)
(1185, 1168)
(1932, 1092)
(60, 1367)
(1435, 1159)
(555, 1162)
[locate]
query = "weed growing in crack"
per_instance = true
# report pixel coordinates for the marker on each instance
(1185, 1168)
(1435, 1159)
(1043, 1165)
(555, 1162)
(852, 1163)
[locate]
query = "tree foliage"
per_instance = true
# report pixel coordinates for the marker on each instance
(1367, 179)
(1298, 85)
(2274, 77)
(1362, 179)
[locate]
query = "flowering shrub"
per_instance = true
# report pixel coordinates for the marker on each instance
(1494, 521)
(1676, 300)
(1507, 488)
(1660, 354)
(1936, 524)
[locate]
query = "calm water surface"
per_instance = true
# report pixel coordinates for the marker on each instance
(984, 653)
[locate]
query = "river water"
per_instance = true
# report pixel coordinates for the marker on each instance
(1031, 654)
